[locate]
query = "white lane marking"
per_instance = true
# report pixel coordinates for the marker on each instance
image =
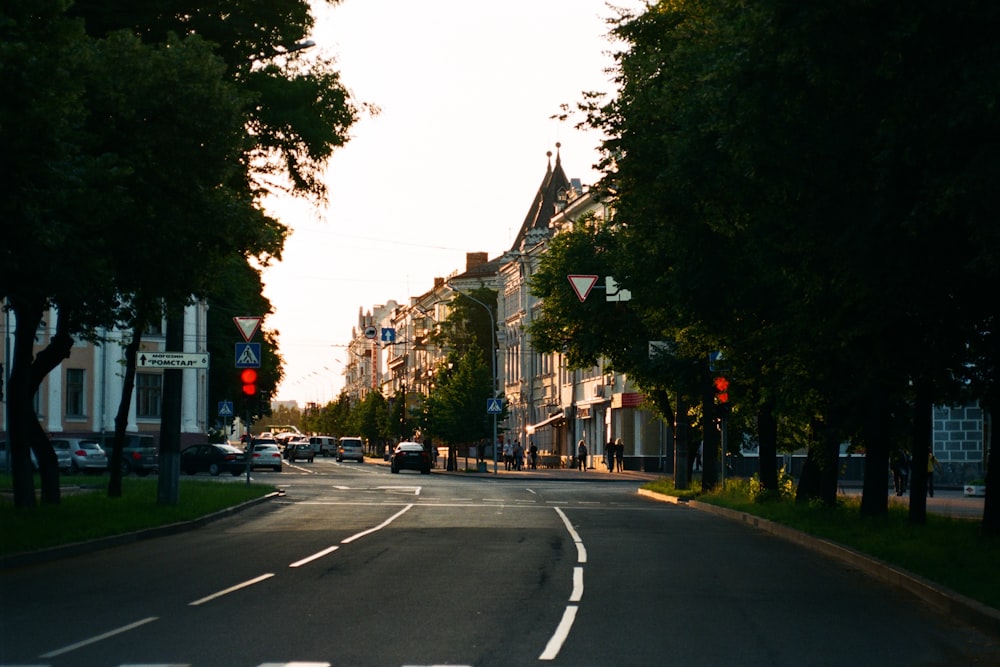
(561, 633)
(581, 553)
(577, 593)
(309, 559)
(415, 490)
(97, 638)
(231, 589)
(356, 536)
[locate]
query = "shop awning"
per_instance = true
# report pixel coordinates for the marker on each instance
(558, 417)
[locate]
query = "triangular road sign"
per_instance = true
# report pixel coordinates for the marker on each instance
(248, 326)
(582, 285)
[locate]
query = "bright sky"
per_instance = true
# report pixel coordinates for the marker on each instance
(450, 165)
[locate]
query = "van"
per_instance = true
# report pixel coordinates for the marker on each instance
(351, 448)
(323, 445)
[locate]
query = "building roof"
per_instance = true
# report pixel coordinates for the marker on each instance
(551, 197)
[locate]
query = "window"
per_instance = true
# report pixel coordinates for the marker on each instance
(74, 392)
(148, 394)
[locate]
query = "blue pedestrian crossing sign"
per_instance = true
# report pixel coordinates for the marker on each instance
(494, 406)
(225, 408)
(247, 355)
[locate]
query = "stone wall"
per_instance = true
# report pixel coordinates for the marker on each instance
(958, 443)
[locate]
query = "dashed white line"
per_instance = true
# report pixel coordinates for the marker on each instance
(97, 638)
(231, 589)
(309, 559)
(356, 536)
(562, 632)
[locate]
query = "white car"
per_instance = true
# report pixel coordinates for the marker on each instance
(265, 455)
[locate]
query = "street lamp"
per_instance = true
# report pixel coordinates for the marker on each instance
(493, 342)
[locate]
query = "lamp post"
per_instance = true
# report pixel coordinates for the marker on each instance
(493, 355)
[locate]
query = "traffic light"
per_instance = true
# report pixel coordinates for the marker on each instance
(248, 377)
(721, 390)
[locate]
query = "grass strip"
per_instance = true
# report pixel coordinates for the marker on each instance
(85, 511)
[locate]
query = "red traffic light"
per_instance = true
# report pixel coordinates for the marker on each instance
(248, 376)
(721, 389)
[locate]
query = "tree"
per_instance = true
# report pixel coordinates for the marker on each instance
(123, 164)
(454, 412)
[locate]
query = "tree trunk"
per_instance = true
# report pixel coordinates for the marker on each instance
(767, 450)
(923, 423)
(710, 437)
(124, 404)
(875, 437)
(27, 372)
(170, 414)
(991, 506)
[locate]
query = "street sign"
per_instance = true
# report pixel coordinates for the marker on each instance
(388, 335)
(248, 326)
(494, 406)
(582, 284)
(247, 355)
(614, 292)
(370, 333)
(172, 359)
(226, 408)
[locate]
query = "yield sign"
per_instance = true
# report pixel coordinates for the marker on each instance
(248, 326)
(582, 285)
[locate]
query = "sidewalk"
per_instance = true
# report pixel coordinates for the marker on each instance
(590, 474)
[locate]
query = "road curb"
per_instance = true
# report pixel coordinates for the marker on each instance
(27, 558)
(941, 598)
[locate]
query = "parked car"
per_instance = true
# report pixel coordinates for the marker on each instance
(410, 456)
(4, 457)
(64, 458)
(324, 445)
(87, 455)
(214, 459)
(299, 450)
(351, 448)
(265, 454)
(139, 453)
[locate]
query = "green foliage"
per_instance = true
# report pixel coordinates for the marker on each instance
(455, 412)
(785, 490)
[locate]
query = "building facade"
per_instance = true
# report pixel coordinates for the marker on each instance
(81, 396)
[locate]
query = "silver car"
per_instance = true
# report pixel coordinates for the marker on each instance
(351, 448)
(64, 455)
(86, 455)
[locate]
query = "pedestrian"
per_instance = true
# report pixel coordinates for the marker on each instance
(620, 455)
(533, 454)
(581, 455)
(900, 469)
(932, 465)
(609, 455)
(518, 455)
(508, 455)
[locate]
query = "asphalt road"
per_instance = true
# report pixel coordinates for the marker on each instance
(355, 566)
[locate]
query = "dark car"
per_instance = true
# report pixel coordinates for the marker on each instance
(213, 459)
(299, 450)
(139, 453)
(410, 456)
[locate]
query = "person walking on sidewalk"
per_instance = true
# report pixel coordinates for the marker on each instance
(533, 455)
(620, 455)
(932, 465)
(518, 455)
(581, 455)
(609, 455)
(508, 456)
